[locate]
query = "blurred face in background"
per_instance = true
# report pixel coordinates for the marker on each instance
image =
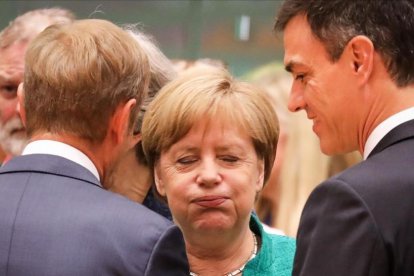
(210, 177)
(12, 132)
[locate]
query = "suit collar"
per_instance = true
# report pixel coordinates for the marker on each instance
(386, 126)
(49, 164)
(63, 150)
(402, 132)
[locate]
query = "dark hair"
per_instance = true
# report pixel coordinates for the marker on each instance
(389, 24)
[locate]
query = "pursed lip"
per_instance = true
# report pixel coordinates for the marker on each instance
(210, 201)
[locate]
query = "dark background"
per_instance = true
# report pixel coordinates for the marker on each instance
(186, 29)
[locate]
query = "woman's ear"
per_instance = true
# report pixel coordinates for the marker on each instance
(136, 138)
(158, 182)
(260, 176)
(20, 103)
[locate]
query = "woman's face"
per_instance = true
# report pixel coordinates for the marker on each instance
(210, 177)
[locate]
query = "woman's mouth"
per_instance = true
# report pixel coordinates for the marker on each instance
(210, 201)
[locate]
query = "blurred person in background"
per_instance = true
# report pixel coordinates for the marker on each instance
(352, 64)
(83, 85)
(182, 65)
(299, 164)
(132, 177)
(14, 40)
(211, 142)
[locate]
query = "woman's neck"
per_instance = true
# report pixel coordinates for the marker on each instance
(130, 179)
(219, 254)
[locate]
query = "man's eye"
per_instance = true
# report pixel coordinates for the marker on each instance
(300, 77)
(8, 90)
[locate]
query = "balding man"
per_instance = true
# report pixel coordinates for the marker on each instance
(14, 40)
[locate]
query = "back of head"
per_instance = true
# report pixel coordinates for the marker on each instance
(26, 26)
(213, 94)
(388, 24)
(162, 72)
(77, 74)
(161, 69)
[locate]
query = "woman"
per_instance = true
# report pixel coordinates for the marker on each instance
(211, 142)
(132, 177)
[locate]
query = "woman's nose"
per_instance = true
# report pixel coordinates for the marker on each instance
(208, 173)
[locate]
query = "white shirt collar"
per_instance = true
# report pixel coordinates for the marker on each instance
(62, 150)
(386, 126)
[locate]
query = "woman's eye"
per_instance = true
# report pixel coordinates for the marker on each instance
(187, 160)
(229, 158)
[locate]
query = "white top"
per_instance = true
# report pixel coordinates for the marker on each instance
(386, 126)
(62, 150)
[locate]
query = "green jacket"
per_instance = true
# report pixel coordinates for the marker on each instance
(275, 257)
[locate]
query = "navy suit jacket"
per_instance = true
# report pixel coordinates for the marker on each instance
(56, 219)
(361, 222)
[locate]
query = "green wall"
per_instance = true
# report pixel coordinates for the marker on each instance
(184, 29)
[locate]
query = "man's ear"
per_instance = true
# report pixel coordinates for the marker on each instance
(158, 182)
(20, 108)
(361, 51)
(119, 124)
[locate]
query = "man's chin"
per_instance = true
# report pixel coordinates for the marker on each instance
(15, 145)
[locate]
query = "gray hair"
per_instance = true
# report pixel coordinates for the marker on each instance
(26, 26)
(162, 72)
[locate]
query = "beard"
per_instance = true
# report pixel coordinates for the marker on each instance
(13, 137)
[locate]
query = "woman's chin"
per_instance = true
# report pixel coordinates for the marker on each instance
(212, 223)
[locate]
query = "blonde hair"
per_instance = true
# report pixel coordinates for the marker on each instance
(77, 74)
(209, 93)
(26, 26)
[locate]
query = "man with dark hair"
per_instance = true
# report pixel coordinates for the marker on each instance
(14, 40)
(353, 68)
(83, 85)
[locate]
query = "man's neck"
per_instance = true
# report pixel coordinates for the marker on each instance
(91, 150)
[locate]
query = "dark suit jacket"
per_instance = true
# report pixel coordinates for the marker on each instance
(56, 219)
(361, 222)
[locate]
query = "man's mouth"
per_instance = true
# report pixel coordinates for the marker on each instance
(17, 131)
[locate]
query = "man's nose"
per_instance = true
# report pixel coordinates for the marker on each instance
(296, 99)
